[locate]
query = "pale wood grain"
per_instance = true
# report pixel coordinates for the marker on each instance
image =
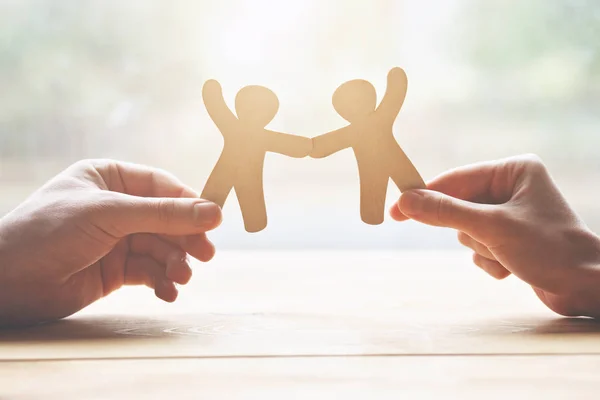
(312, 325)
(316, 303)
(475, 377)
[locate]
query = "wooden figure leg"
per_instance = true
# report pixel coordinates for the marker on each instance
(373, 188)
(252, 204)
(218, 186)
(403, 172)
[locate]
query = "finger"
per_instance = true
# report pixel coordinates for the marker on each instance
(492, 182)
(166, 254)
(472, 182)
(141, 180)
(479, 221)
(178, 270)
(474, 245)
(143, 270)
(396, 214)
(166, 290)
(493, 268)
(151, 245)
(197, 246)
(170, 216)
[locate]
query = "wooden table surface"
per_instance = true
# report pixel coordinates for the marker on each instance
(312, 325)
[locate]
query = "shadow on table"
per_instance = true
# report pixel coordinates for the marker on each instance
(88, 328)
(530, 327)
(309, 333)
(565, 326)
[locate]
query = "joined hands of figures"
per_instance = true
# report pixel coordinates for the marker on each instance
(369, 134)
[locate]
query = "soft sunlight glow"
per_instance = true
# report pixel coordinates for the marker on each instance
(123, 80)
(257, 30)
(281, 44)
(255, 39)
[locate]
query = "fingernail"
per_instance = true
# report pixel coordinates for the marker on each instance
(412, 202)
(206, 213)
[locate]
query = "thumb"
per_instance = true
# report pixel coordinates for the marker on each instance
(438, 209)
(167, 216)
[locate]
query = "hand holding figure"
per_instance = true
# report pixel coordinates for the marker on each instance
(515, 219)
(93, 228)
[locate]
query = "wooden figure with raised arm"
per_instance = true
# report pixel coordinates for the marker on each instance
(246, 142)
(378, 155)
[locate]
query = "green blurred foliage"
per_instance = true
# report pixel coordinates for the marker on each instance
(65, 65)
(538, 63)
(510, 34)
(69, 69)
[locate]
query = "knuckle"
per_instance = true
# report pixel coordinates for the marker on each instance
(97, 204)
(534, 158)
(533, 163)
(166, 210)
(83, 168)
(104, 210)
(443, 208)
(93, 162)
(81, 165)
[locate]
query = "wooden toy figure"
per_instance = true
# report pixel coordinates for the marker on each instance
(378, 155)
(246, 142)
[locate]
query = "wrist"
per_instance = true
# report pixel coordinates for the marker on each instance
(584, 295)
(3, 264)
(7, 287)
(4, 287)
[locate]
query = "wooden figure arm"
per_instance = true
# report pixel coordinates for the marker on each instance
(331, 142)
(212, 94)
(395, 94)
(289, 145)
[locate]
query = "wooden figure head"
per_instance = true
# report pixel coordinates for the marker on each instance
(354, 100)
(256, 106)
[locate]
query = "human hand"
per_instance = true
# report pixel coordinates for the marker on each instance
(515, 219)
(93, 228)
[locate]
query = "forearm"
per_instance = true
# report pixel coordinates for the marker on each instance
(4, 261)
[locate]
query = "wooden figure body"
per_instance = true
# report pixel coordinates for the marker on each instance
(378, 155)
(246, 142)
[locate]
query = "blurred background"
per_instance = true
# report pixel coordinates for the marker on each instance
(122, 79)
